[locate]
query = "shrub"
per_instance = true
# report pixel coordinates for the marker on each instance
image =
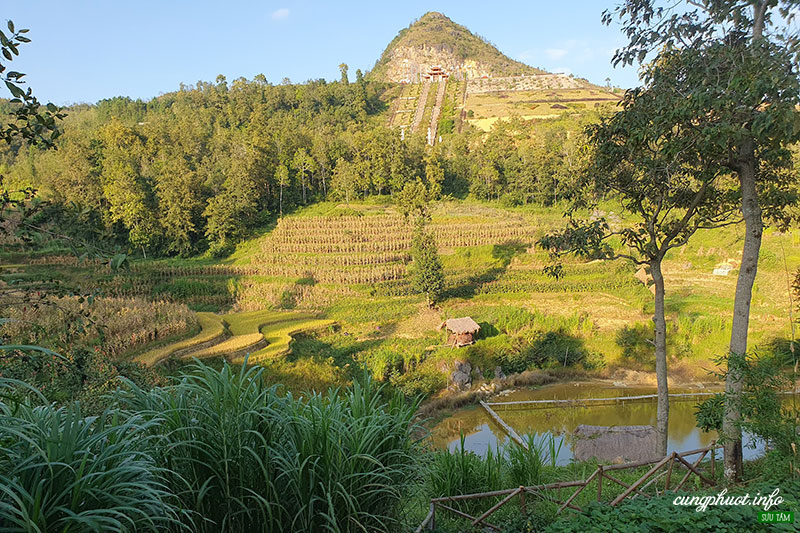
(763, 412)
(636, 344)
(424, 381)
(545, 350)
(80, 374)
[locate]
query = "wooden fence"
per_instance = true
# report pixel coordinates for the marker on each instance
(662, 468)
(593, 402)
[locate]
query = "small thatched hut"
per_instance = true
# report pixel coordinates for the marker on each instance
(460, 331)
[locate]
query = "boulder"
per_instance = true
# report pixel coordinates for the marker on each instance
(630, 443)
(461, 377)
(498, 373)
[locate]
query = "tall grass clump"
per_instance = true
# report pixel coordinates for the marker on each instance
(61, 471)
(214, 432)
(525, 466)
(464, 472)
(461, 471)
(245, 459)
(344, 460)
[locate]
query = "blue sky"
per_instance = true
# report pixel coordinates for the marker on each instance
(83, 51)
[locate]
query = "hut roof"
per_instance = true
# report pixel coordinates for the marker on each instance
(460, 325)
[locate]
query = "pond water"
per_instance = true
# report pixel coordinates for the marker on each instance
(481, 433)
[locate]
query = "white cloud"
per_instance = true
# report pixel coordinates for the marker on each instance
(555, 53)
(280, 14)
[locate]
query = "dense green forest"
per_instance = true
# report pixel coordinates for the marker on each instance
(196, 170)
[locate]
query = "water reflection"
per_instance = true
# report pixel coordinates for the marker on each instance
(481, 433)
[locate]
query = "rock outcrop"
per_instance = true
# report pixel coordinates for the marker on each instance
(435, 40)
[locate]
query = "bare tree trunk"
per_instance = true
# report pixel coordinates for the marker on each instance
(660, 328)
(754, 227)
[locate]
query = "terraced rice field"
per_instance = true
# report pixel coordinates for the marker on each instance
(212, 331)
(261, 333)
(369, 249)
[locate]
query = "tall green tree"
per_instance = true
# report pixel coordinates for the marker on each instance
(235, 208)
(302, 163)
(745, 92)
(428, 273)
(345, 179)
(643, 157)
(282, 177)
(125, 185)
(180, 201)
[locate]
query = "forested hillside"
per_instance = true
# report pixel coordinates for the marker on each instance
(198, 169)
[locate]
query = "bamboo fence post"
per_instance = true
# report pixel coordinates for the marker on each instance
(688, 472)
(495, 507)
(575, 494)
(522, 500)
(432, 523)
(669, 472)
(641, 480)
(618, 482)
(458, 513)
(599, 483)
(428, 522)
(693, 469)
(654, 480)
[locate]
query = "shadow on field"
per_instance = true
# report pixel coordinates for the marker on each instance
(503, 253)
(307, 346)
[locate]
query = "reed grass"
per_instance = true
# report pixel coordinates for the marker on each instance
(62, 471)
(243, 458)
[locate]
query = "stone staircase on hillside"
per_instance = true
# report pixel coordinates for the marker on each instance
(423, 99)
(437, 110)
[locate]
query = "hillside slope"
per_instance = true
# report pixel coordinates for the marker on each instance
(435, 40)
